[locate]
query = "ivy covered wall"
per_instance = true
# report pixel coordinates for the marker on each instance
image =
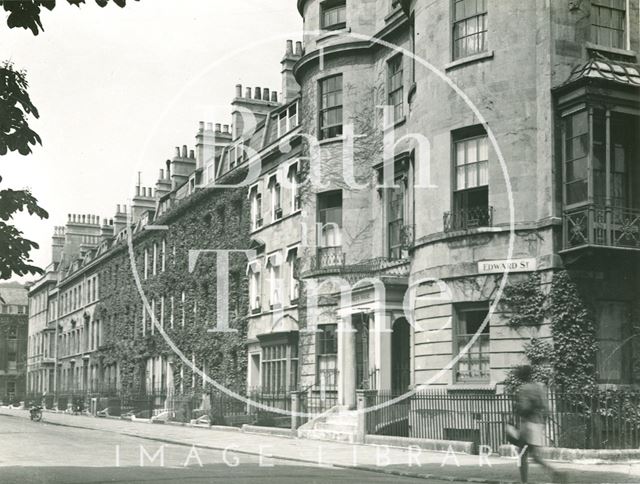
(210, 219)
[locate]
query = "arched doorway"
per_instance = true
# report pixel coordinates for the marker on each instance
(401, 356)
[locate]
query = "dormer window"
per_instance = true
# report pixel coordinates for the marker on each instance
(287, 120)
(333, 14)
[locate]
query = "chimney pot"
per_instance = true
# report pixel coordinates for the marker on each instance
(238, 90)
(289, 50)
(110, 221)
(178, 151)
(257, 94)
(83, 218)
(226, 128)
(118, 209)
(184, 151)
(137, 191)
(248, 93)
(201, 124)
(192, 154)
(299, 48)
(168, 163)
(274, 96)
(218, 125)
(209, 126)
(161, 177)
(265, 94)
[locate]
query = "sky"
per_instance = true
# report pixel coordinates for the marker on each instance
(118, 89)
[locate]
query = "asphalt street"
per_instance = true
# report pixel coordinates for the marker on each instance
(45, 453)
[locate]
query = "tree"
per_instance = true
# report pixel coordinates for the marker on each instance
(26, 13)
(16, 135)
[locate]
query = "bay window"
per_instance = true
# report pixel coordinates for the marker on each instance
(279, 363)
(601, 177)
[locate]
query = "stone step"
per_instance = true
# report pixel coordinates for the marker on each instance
(341, 419)
(328, 435)
(336, 427)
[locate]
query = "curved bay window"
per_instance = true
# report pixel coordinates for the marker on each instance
(600, 162)
(279, 363)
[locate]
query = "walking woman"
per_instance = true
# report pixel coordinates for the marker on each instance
(531, 407)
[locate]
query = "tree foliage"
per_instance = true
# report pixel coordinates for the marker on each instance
(26, 14)
(16, 135)
(15, 108)
(14, 248)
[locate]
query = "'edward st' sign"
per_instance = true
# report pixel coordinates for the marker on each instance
(512, 265)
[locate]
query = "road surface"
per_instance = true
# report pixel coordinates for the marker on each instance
(45, 453)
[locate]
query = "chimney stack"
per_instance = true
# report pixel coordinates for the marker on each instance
(57, 244)
(290, 87)
(119, 220)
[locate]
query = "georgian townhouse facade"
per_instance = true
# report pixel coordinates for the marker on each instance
(275, 207)
(43, 315)
(13, 342)
(423, 233)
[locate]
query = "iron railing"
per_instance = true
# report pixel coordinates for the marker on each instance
(599, 225)
(317, 399)
(328, 257)
(468, 218)
(598, 419)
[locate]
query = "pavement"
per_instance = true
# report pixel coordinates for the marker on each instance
(67, 448)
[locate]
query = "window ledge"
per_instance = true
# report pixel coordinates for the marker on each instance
(397, 11)
(396, 124)
(610, 50)
(333, 33)
(469, 60)
(328, 141)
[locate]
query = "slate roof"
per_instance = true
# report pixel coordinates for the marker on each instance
(13, 293)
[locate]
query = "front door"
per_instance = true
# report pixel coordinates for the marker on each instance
(400, 356)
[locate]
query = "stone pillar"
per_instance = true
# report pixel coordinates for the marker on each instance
(365, 399)
(381, 336)
(296, 420)
(347, 362)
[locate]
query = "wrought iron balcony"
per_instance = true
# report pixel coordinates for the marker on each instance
(468, 218)
(603, 226)
(328, 257)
